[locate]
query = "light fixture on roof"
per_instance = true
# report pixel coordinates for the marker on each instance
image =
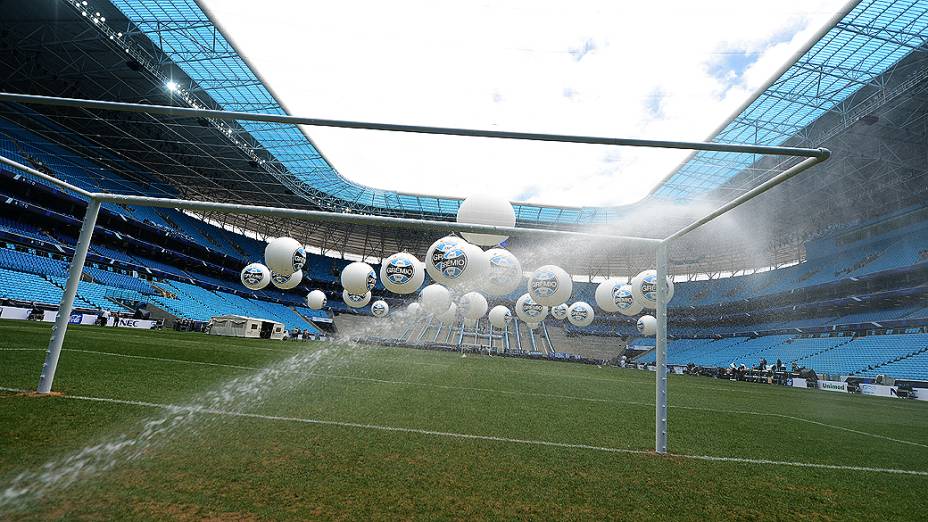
(172, 86)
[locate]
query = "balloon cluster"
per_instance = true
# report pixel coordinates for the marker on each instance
(284, 258)
(462, 275)
(632, 298)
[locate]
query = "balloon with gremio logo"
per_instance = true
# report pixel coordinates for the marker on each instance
(256, 276)
(284, 255)
(287, 282)
(605, 295)
(625, 301)
(358, 278)
(580, 314)
(356, 300)
(644, 289)
(550, 285)
(446, 261)
(529, 311)
(380, 309)
(559, 311)
(402, 273)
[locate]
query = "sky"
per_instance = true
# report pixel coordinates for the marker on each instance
(662, 70)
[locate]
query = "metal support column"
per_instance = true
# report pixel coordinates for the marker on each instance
(518, 336)
(67, 299)
(547, 338)
(660, 414)
(424, 330)
(531, 337)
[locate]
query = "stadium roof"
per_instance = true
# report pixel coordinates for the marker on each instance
(877, 134)
(188, 37)
(869, 39)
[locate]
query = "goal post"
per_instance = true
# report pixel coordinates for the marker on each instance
(661, 246)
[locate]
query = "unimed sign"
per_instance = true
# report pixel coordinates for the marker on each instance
(835, 386)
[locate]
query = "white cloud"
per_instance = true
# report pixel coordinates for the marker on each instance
(652, 70)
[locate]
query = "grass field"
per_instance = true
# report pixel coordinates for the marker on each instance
(341, 432)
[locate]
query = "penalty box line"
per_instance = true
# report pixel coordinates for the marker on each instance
(489, 438)
(499, 392)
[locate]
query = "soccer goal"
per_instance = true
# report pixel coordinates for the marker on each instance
(659, 248)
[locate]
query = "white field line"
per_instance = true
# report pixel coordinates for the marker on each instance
(500, 392)
(492, 438)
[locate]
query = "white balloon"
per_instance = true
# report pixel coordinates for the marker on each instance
(284, 255)
(445, 259)
(435, 299)
(625, 301)
(500, 316)
(647, 325)
(316, 300)
(530, 311)
(550, 285)
(451, 261)
(473, 305)
(605, 295)
(580, 314)
(486, 209)
(413, 309)
(380, 309)
(358, 278)
(402, 273)
(644, 288)
(255, 276)
(559, 311)
(504, 272)
(356, 300)
(449, 315)
(479, 265)
(287, 282)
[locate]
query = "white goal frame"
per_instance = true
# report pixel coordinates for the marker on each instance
(59, 330)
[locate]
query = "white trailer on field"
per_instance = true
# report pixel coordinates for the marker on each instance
(242, 326)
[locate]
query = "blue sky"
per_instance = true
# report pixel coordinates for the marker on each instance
(671, 70)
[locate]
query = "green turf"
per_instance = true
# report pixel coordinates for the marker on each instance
(232, 467)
